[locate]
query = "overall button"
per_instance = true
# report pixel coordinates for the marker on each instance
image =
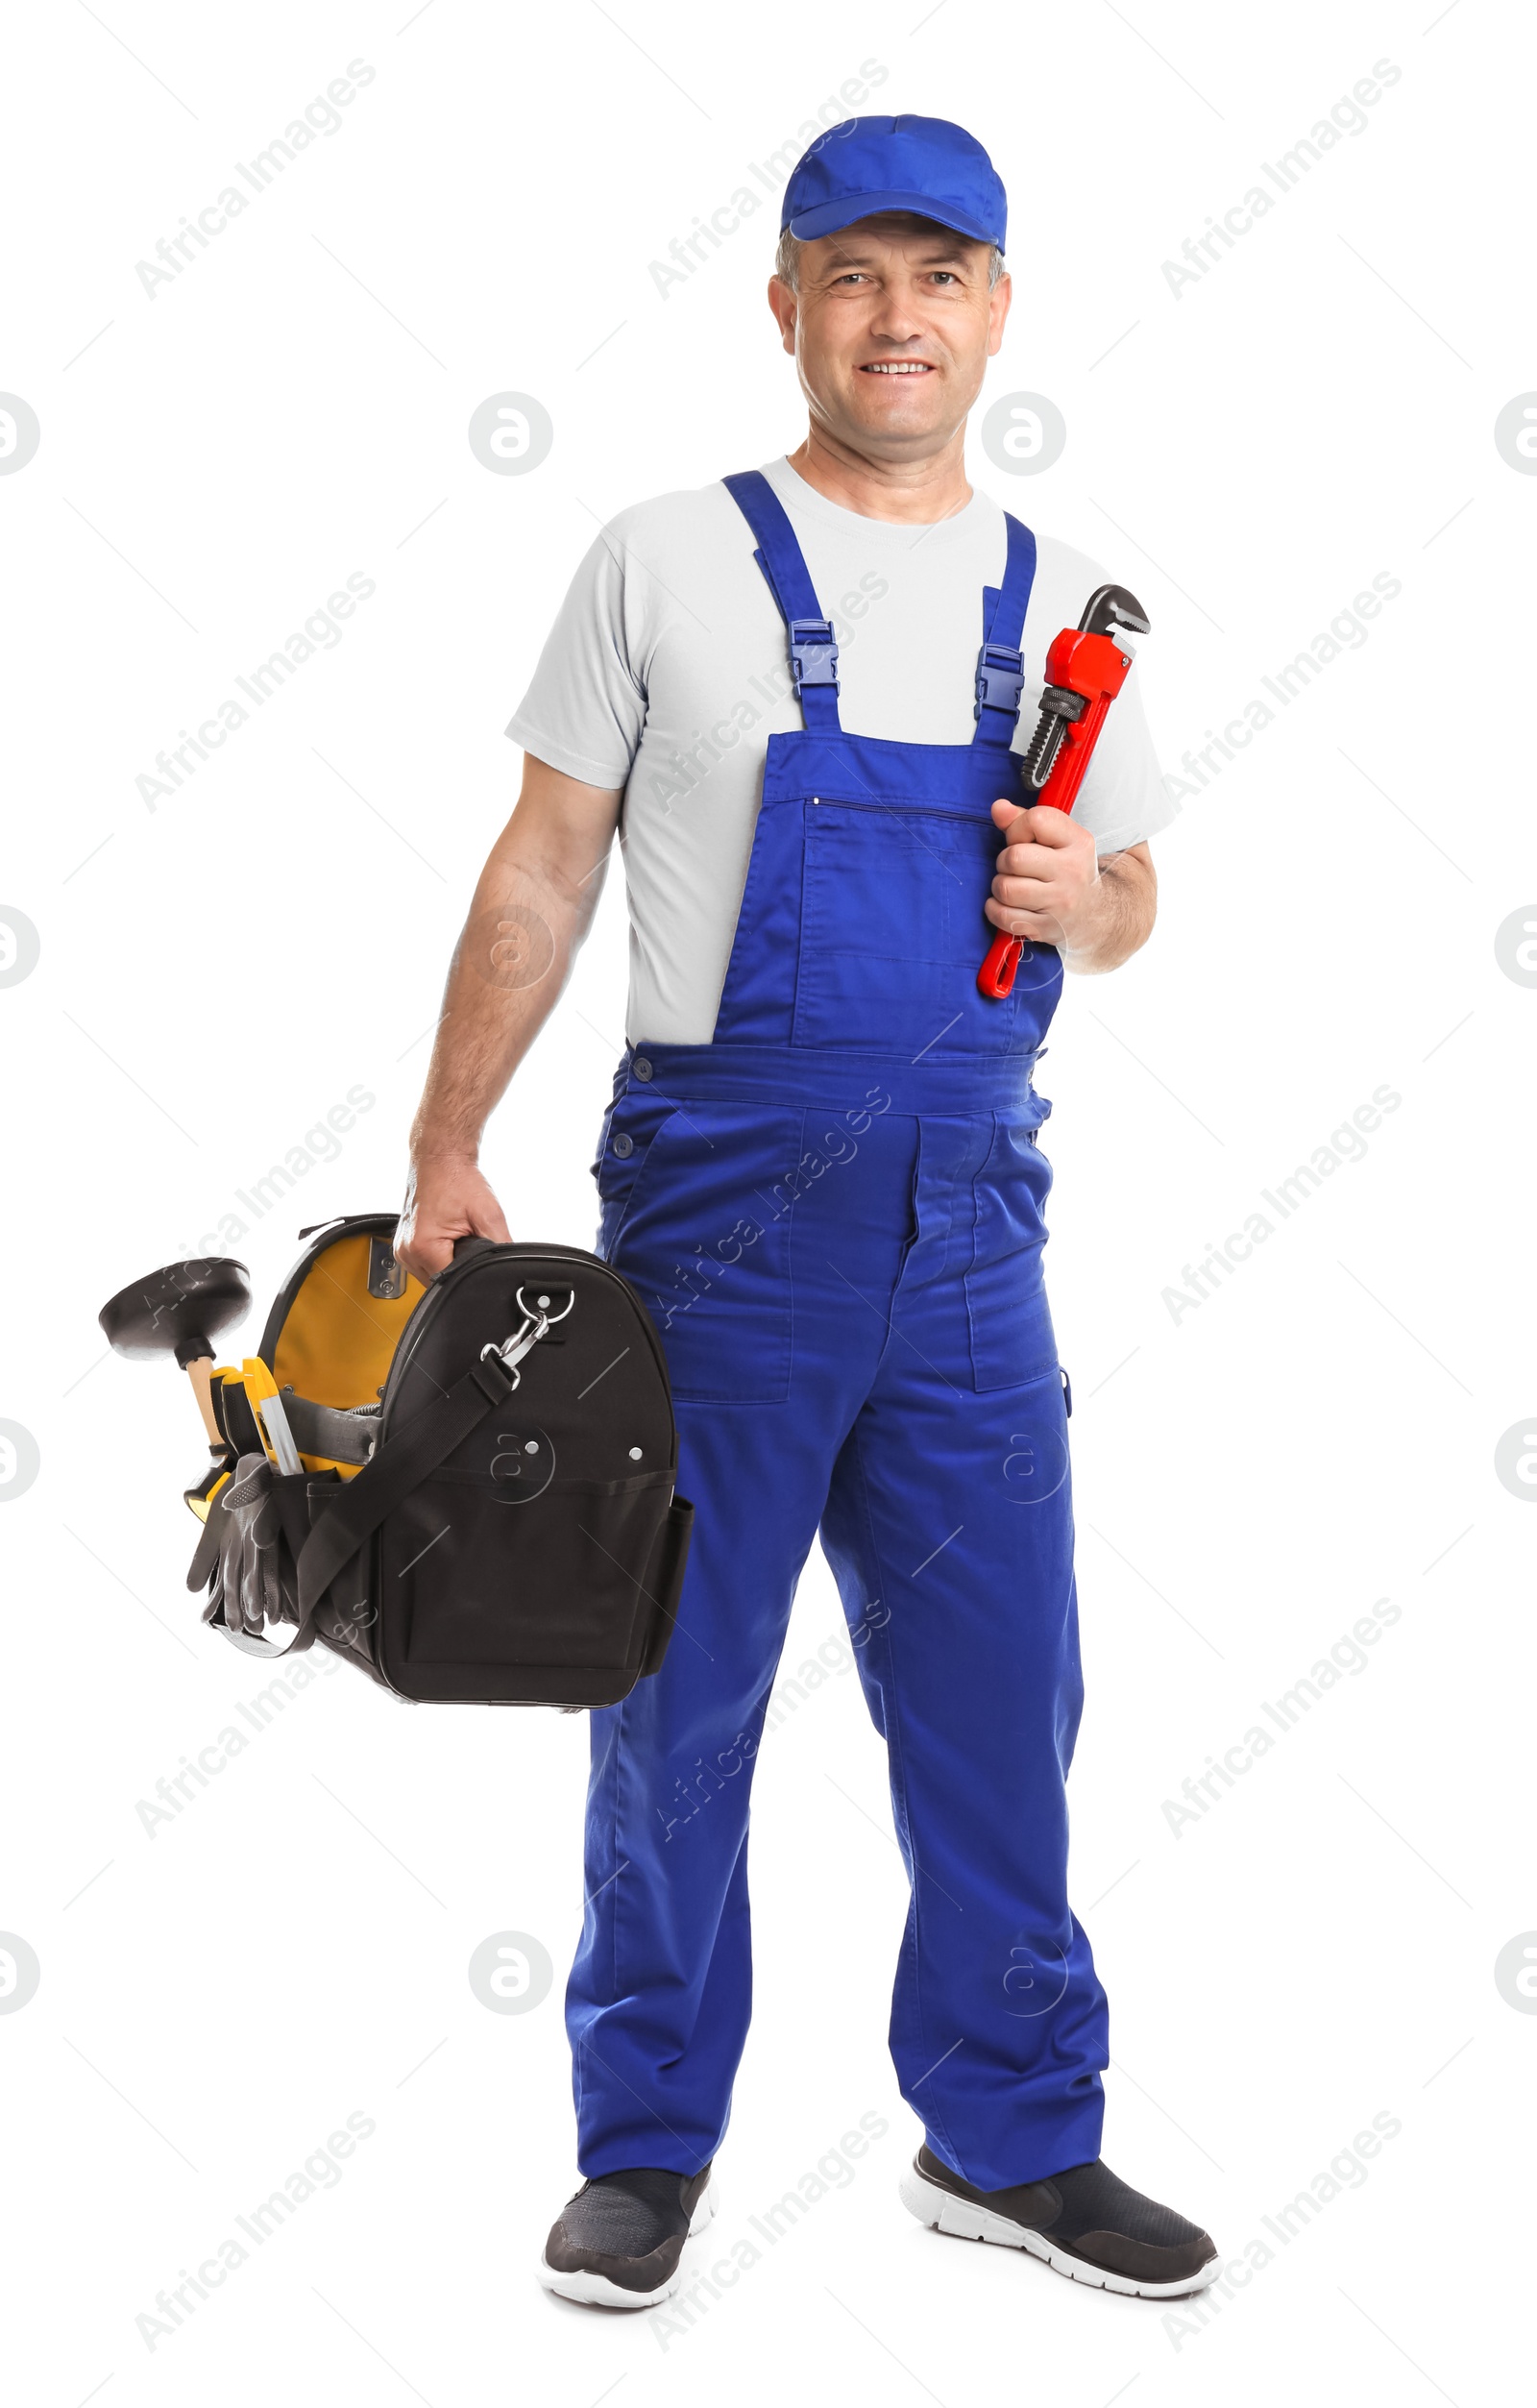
(640, 1067)
(623, 1146)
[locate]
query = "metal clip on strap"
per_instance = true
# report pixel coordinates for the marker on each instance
(812, 654)
(511, 1351)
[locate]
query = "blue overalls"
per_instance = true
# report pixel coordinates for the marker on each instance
(834, 1214)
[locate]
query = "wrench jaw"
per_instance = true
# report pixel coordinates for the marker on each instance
(1059, 708)
(1112, 606)
(1110, 610)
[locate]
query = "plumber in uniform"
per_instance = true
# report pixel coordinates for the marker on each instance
(800, 695)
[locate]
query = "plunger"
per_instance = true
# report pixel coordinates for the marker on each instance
(179, 1310)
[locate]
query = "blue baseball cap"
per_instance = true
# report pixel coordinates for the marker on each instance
(924, 166)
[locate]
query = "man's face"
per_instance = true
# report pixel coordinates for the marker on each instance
(891, 330)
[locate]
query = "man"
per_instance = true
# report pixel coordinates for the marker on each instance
(821, 1171)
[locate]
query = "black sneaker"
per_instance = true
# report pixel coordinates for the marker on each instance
(617, 2242)
(1086, 2223)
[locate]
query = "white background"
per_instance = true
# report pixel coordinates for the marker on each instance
(1317, 1947)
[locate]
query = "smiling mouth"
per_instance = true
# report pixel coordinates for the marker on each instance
(896, 368)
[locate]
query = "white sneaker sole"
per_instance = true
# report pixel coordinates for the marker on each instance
(946, 2213)
(595, 2291)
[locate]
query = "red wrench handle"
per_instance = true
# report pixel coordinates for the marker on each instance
(996, 976)
(1094, 668)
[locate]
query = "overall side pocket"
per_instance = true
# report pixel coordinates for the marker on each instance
(704, 1237)
(630, 1127)
(1012, 1335)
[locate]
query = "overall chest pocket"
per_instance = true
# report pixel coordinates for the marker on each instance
(893, 932)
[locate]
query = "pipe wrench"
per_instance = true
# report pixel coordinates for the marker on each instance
(1086, 670)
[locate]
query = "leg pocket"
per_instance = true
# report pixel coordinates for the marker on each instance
(630, 1124)
(1012, 1335)
(705, 1239)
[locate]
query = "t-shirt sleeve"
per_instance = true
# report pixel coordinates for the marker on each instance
(585, 709)
(1123, 799)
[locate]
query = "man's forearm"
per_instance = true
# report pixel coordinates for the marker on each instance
(531, 910)
(1120, 920)
(509, 966)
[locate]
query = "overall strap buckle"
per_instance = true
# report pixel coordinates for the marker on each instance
(1000, 679)
(812, 654)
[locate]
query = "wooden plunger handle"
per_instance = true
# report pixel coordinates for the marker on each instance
(201, 1373)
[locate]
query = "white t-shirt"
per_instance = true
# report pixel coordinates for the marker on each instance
(666, 672)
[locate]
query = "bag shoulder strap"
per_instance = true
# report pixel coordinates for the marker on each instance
(400, 1464)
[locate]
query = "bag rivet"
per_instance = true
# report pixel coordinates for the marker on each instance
(635, 1454)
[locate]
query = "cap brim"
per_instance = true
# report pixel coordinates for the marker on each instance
(833, 216)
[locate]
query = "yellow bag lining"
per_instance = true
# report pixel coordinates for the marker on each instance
(336, 1345)
(339, 1342)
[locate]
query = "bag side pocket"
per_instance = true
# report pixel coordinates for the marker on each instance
(665, 1581)
(557, 1581)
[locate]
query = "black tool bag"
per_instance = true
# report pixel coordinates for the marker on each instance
(494, 1521)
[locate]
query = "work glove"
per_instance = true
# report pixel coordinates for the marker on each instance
(251, 1569)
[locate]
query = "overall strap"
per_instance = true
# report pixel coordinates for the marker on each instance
(1000, 663)
(813, 651)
